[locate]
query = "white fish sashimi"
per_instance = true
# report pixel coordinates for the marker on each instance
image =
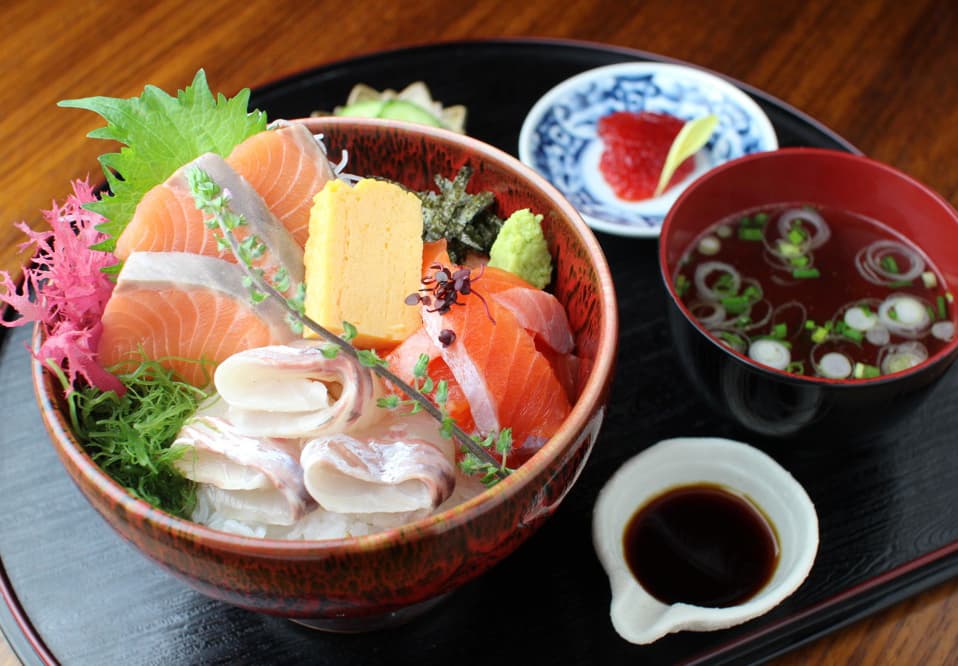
(540, 313)
(266, 507)
(260, 479)
(297, 392)
(390, 469)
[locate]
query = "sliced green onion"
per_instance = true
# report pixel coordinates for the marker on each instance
(733, 340)
(865, 371)
(787, 249)
(820, 334)
(779, 331)
(799, 262)
(889, 264)
(725, 284)
(929, 280)
(796, 236)
(942, 308)
(796, 367)
(723, 231)
(852, 333)
(834, 365)
(752, 293)
(773, 353)
(805, 273)
(735, 304)
(900, 283)
(761, 218)
(710, 245)
(750, 234)
(810, 324)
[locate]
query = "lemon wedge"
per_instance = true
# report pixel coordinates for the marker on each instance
(693, 135)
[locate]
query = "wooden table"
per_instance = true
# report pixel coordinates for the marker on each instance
(882, 74)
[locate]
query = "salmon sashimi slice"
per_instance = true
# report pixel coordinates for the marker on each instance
(506, 380)
(167, 220)
(542, 342)
(403, 359)
(287, 166)
(539, 312)
(178, 306)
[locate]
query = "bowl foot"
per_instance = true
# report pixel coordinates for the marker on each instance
(357, 625)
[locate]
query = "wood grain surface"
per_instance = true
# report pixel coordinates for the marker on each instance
(882, 74)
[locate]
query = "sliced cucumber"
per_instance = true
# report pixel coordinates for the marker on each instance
(394, 109)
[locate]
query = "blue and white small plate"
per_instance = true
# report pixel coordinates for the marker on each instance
(559, 136)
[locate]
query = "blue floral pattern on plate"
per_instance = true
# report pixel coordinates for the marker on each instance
(559, 136)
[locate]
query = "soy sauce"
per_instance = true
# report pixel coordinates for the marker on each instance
(701, 545)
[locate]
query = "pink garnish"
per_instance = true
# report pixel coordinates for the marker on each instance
(70, 288)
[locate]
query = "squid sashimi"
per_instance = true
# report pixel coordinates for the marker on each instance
(296, 391)
(260, 478)
(287, 167)
(175, 306)
(402, 465)
(167, 220)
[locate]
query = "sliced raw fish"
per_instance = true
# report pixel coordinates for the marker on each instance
(540, 313)
(395, 467)
(262, 477)
(265, 506)
(403, 358)
(508, 364)
(287, 166)
(167, 220)
(296, 391)
(178, 306)
(505, 379)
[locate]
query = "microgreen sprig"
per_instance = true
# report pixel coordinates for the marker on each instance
(214, 202)
(502, 444)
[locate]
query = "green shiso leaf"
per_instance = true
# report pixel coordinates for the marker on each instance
(161, 133)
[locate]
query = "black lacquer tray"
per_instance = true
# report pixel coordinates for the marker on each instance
(76, 593)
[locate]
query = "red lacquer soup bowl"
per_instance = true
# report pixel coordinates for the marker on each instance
(366, 582)
(777, 402)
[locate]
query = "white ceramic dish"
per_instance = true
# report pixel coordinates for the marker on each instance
(559, 135)
(636, 615)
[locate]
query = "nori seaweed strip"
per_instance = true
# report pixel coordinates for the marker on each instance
(466, 221)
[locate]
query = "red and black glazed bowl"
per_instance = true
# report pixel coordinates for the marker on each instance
(371, 581)
(776, 403)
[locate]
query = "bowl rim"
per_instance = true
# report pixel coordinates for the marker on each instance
(948, 350)
(600, 376)
(706, 78)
